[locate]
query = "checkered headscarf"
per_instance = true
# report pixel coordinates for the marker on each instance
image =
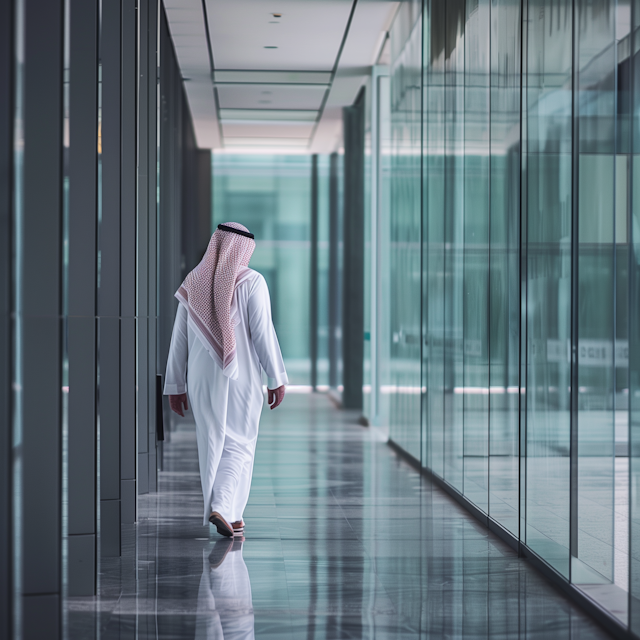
(207, 293)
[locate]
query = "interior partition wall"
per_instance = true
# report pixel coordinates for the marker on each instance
(513, 224)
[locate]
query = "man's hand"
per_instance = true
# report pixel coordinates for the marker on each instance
(177, 403)
(276, 396)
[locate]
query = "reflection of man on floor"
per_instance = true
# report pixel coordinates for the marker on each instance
(225, 609)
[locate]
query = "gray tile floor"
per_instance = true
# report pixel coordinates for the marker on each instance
(343, 540)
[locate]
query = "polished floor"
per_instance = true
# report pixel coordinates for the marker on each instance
(343, 540)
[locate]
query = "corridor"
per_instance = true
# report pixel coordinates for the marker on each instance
(343, 540)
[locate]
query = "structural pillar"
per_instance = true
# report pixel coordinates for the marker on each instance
(81, 334)
(334, 273)
(40, 320)
(128, 199)
(6, 309)
(109, 291)
(313, 289)
(353, 257)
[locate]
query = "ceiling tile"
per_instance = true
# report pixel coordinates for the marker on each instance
(270, 96)
(307, 35)
(265, 142)
(268, 114)
(267, 130)
(276, 77)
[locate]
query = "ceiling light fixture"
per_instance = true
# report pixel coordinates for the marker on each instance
(271, 47)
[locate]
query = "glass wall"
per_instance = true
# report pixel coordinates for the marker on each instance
(514, 357)
(271, 195)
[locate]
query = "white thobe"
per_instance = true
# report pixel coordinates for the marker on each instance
(227, 412)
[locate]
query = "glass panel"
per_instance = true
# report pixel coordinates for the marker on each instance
(404, 390)
(504, 289)
(454, 241)
(384, 342)
(475, 255)
(634, 322)
(596, 79)
(369, 164)
(548, 95)
(271, 195)
(434, 198)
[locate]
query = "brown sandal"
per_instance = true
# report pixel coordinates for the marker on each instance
(238, 528)
(223, 527)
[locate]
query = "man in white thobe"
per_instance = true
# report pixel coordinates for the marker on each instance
(223, 337)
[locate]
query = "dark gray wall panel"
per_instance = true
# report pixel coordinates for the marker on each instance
(128, 501)
(128, 454)
(110, 522)
(109, 408)
(82, 425)
(128, 398)
(41, 324)
(82, 564)
(128, 168)
(41, 617)
(41, 446)
(109, 294)
(143, 472)
(83, 157)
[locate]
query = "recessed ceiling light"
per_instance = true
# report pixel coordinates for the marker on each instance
(274, 22)
(271, 47)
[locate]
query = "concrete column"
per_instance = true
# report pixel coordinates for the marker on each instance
(313, 289)
(6, 309)
(152, 215)
(334, 281)
(173, 236)
(142, 248)
(40, 260)
(81, 334)
(353, 261)
(109, 291)
(128, 195)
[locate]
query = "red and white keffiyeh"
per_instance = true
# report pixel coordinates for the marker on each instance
(207, 294)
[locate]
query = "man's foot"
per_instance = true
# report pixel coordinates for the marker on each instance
(238, 528)
(223, 527)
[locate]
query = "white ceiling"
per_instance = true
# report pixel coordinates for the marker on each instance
(287, 98)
